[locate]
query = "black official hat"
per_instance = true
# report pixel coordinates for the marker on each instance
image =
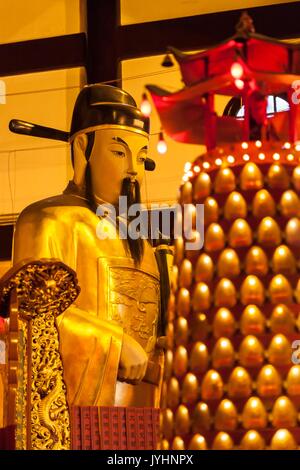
(98, 106)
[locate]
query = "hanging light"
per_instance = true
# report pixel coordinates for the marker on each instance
(167, 61)
(161, 144)
(258, 143)
(197, 169)
(236, 70)
(239, 83)
(146, 106)
(187, 166)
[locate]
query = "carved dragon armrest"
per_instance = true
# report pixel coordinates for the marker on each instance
(32, 294)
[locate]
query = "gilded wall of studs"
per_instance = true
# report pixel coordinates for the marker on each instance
(234, 311)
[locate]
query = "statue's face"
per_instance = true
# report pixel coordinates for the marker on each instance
(116, 154)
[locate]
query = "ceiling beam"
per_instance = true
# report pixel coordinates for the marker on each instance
(39, 55)
(199, 32)
(103, 19)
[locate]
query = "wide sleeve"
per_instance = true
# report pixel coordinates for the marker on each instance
(90, 347)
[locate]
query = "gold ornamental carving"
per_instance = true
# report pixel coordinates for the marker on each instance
(44, 289)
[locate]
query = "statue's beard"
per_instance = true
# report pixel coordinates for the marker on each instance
(131, 189)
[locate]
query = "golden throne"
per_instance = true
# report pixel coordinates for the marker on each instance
(35, 411)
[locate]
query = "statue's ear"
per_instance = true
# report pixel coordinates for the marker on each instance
(79, 147)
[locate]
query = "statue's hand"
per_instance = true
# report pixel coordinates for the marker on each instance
(133, 360)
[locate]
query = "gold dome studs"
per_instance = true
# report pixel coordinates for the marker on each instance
(179, 250)
(168, 423)
(252, 440)
(185, 273)
(202, 186)
(222, 441)
(225, 293)
(252, 291)
(224, 181)
(214, 239)
(240, 234)
(223, 323)
(251, 177)
(239, 383)
(173, 393)
(164, 445)
(235, 206)
(181, 331)
(282, 320)
(254, 414)
(204, 269)
(226, 417)
(201, 297)
(211, 210)
(212, 386)
(268, 383)
(199, 358)
(293, 381)
(182, 421)
(263, 204)
(283, 440)
(278, 177)
(283, 261)
(279, 351)
(223, 354)
(280, 290)
(180, 361)
(252, 321)
(284, 414)
(292, 232)
(174, 277)
(178, 443)
(190, 388)
(268, 232)
(168, 364)
(296, 178)
(256, 261)
(186, 193)
(199, 326)
(201, 417)
(183, 302)
(251, 352)
(197, 442)
(228, 264)
(289, 204)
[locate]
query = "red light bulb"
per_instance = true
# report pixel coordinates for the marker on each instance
(236, 70)
(146, 106)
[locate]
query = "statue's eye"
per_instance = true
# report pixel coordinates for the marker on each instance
(118, 153)
(142, 157)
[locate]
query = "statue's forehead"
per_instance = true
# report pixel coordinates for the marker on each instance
(129, 137)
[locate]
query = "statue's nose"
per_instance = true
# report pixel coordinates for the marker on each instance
(132, 169)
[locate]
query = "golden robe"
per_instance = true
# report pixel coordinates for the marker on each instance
(115, 297)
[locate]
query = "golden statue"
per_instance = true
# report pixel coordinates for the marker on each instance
(108, 337)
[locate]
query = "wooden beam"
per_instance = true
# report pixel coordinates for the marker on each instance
(103, 18)
(199, 32)
(6, 235)
(39, 55)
